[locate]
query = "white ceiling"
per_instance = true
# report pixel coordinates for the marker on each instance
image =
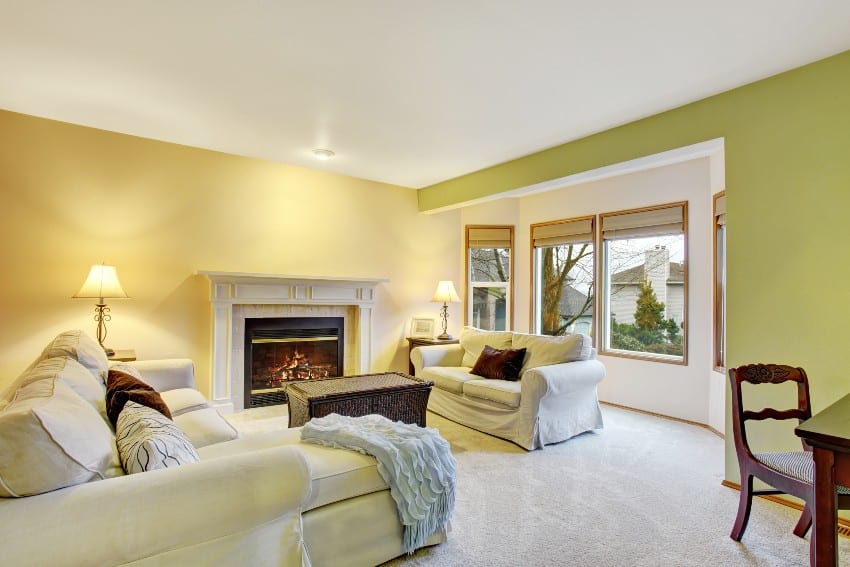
(406, 92)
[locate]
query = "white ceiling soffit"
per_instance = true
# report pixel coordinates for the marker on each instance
(410, 93)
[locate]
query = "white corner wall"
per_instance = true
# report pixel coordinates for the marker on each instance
(686, 392)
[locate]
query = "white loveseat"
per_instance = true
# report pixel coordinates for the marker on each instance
(259, 499)
(554, 399)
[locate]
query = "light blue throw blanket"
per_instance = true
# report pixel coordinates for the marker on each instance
(415, 462)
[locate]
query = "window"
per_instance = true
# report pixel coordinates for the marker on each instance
(644, 277)
(720, 281)
(563, 269)
(488, 266)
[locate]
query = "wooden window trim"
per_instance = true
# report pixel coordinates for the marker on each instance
(719, 303)
(466, 287)
(601, 324)
(533, 256)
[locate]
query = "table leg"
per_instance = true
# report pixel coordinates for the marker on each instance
(824, 541)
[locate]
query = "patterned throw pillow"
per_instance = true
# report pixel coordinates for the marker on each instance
(499, 364)
(147, 440)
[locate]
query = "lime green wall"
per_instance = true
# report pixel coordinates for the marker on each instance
(788, 187)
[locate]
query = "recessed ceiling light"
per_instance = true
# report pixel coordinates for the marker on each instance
(323, 155)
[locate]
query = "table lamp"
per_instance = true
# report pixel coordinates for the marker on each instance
(102, 283)
(446, 294)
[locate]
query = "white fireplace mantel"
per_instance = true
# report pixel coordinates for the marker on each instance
(228, 289)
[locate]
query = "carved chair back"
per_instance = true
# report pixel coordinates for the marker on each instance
(765, 374)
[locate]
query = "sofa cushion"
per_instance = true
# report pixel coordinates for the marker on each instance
(499, 364)
(504, 392)
(122, 387)
(473, 340)
(448, 378)
(201, 422)
(51, 438)
(71, 373)
(184, 400)
(206, 427)
(543, 350)
(81, 347)
(147, 440)
(335, 474)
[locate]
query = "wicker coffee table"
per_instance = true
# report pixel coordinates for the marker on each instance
(397, 396)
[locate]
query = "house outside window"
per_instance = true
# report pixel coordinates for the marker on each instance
(720, 281)
(644, 277)
(489, 264)
(563, 275)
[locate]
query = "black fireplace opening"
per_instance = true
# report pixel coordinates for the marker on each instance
(282, 350)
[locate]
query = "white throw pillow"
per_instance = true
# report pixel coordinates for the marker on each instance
(51, 438)
(147, 440)
(76, 376)
(184, 400)
(202, 423)
(82, 348)
(206, 427)
(474, 340)
(127, 368)
(543, 350)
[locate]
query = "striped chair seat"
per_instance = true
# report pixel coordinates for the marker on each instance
(798, 464)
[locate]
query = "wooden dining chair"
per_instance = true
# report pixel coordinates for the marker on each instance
(787, 472)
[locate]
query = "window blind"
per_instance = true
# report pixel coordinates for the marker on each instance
(655, 222)
(489, 237)
(561, 233)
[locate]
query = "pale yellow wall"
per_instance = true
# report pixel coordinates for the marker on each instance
(75, 196)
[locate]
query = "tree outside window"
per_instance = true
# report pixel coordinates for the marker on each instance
(489, 282)
(563, 276)
(644, 277)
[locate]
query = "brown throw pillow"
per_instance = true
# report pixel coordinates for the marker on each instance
(499, 364)
(122, 387)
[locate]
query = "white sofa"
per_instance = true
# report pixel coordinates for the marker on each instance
(554, 399)
(259, 499)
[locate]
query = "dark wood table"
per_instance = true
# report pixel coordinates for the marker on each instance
(414, 342)
(828, 432)
(393, 395)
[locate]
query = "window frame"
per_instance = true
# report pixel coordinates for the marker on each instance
(604, 292)
(470, 286)
(533, 316)
(719, 271)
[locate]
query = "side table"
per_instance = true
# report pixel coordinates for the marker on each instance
(123, 355)
(414, 342)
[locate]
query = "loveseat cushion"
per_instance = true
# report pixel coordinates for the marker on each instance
(498, 364)
(51, 438)
(448, 378)
(81, 347)
(335, 474)
(504, 392)
(543, 350)
(473, 340)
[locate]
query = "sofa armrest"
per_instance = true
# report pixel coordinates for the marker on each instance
(436, 355)
(145, 515)
(562, 378)
(167, 373)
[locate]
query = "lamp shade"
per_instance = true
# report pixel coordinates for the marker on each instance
(446, 293)
(102, 282)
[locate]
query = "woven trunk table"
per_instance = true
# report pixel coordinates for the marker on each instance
(397, 396)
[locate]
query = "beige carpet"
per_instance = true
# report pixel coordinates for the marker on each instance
(645, 491)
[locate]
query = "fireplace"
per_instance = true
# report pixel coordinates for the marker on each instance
(237, 297)
(282, 350)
